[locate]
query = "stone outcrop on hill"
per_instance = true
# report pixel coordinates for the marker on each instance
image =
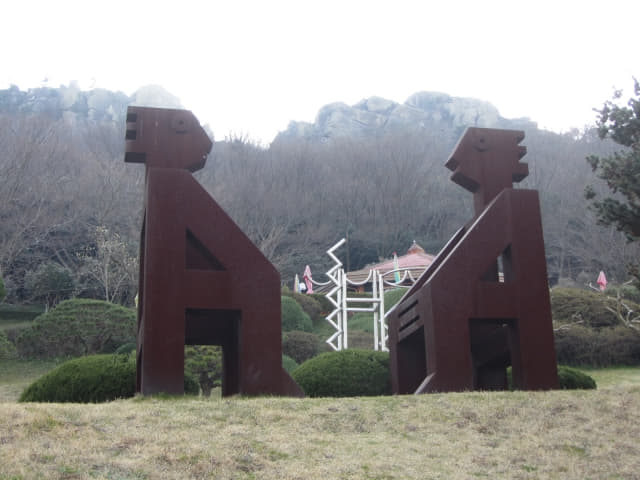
(97, 104)
(421, 110)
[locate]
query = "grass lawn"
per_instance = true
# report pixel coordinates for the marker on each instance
(616, 377)
(16, 375)
(19, 312)
(504, 435)
(16, 317)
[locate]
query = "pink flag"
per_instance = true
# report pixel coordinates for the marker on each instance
(306, 276)
(602, 281)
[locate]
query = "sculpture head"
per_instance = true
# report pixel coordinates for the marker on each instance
(165, 138)
(485, 161)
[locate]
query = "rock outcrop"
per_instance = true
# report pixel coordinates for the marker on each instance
(422, 110)
(69, 101)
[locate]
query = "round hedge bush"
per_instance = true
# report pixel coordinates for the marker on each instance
(300, 346)
(309, 305)
(91, 379)
(293, 317)
(76, 328)
(572, 379)
(347, 373)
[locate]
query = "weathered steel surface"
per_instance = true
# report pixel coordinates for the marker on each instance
(483, 304)
(202, 281)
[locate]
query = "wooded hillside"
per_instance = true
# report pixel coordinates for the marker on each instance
(70, 208)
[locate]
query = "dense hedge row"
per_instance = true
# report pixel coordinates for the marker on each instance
(603, 347)
(600, 339)
(569, 305)
(78, 327)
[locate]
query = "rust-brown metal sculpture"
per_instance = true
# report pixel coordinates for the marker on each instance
(202, 281)
(483, 304)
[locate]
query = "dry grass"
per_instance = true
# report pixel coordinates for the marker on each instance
(563, 435)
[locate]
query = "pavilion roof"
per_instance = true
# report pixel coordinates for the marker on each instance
(416, 260)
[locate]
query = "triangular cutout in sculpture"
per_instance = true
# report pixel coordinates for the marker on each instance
(198, 257)
(501, 269)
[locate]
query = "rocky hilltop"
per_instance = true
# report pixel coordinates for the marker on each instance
(98, 104)
(422, 110)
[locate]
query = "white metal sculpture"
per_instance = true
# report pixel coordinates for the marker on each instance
(342, 304)
(335, 296)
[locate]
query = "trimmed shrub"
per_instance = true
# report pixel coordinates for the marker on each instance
(583, 346)
(601, 339)
(300, 346)
(293, 317)
(288, 363)
(92, 379)
(572, 379)
(204, 364)
(78, 327)
(7, 349)
(569, 305)
(310, 306)
(191, 386)
(346, 373)
(627, 292)
(326, 306)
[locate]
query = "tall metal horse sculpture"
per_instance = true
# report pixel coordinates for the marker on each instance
(202, 281)
(483, 304)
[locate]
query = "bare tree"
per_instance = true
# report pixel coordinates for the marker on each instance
(110, 265)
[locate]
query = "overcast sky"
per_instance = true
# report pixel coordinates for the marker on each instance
(250, 67)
